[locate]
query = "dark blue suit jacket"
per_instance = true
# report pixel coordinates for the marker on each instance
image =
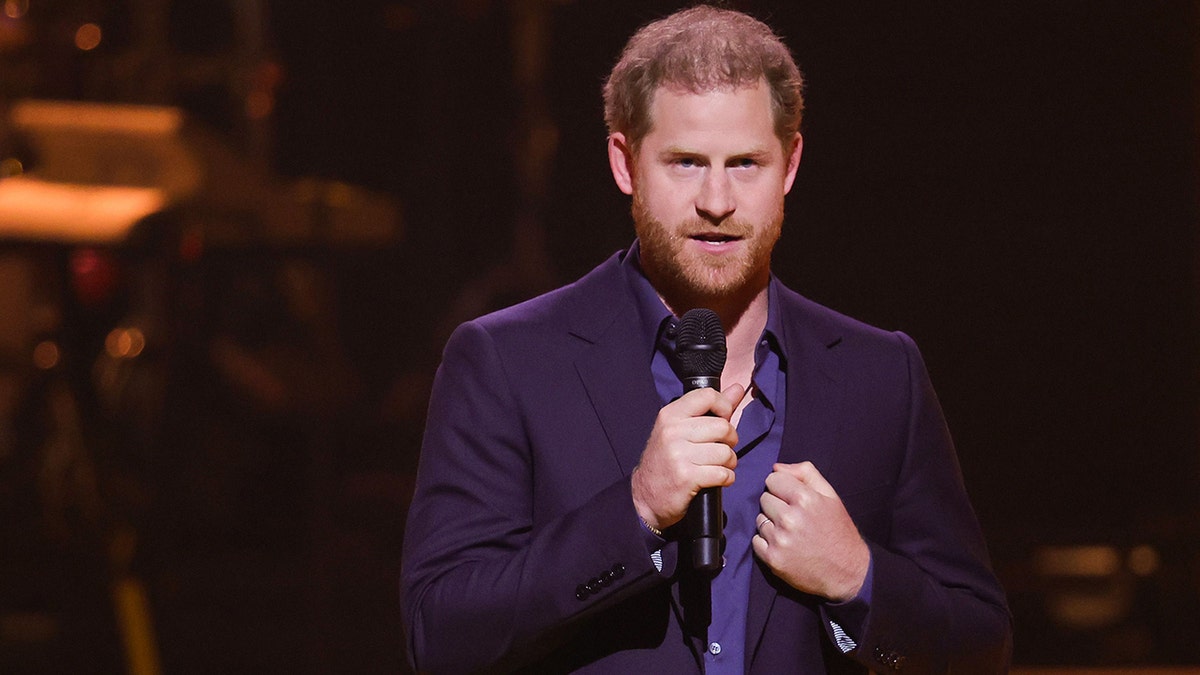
(538, 416)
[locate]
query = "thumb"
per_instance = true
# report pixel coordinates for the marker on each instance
(734, 393)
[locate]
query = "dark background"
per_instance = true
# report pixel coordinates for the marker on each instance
(1012, 184)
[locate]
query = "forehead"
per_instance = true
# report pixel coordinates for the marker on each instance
(732, 116)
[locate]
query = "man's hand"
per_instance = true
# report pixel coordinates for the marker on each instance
(806, 536)
(689, 449)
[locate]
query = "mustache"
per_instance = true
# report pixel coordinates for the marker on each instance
(731, 229)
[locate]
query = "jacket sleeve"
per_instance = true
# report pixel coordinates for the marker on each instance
(935, 604)
(484, 579)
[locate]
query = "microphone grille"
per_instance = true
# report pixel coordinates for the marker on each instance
(700, 343)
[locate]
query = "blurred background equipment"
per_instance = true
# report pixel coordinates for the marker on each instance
(169, 320)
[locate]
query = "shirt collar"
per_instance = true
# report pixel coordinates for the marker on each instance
(773, 333)
(654, 317)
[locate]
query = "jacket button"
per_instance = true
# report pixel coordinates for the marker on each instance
(582, 592)
(594, 585)
(890, 658)
(618, 571)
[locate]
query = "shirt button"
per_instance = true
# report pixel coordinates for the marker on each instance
(714, 648)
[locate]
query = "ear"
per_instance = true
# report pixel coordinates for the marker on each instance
(620, 160)
(793, 162)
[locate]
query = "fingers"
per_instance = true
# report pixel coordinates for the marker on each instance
(762, 521)
(713, 476)
(706, 401)
(700, 416)
(807, 474)
(785, 488)
(792, 486)
(690, 448)
(760, 546)
(705, 430)
(772, 506)
(759, 541)
(806, 536)
(712, 464)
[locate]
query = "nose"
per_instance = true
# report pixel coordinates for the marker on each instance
(715, 202)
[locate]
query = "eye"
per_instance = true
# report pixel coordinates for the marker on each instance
(686, 162)
(744, 163)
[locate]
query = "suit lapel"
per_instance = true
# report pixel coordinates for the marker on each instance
(614, 365)
(810, 426)
(622, 394)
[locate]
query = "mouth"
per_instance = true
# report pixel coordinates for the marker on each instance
(715, 238)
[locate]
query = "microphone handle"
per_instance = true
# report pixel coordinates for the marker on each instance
(704, 526)
(705, 514)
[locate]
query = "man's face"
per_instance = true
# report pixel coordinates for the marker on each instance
(708, 183)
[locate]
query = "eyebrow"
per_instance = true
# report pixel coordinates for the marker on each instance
(758, 153)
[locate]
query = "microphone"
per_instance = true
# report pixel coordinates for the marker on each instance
(700, 348)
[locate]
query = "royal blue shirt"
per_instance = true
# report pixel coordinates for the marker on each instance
(760, 437)
(760, 433)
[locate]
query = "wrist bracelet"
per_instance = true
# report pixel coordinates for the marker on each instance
(650, 527)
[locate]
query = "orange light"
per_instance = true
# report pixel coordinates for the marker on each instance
(87, 37)
(1144, 560)
(15, 9)
(68, 212)
(125, 343)
(45, 355)
(259, 105)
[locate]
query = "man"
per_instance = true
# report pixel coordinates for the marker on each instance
(561, 453)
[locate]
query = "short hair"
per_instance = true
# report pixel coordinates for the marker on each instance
(701, 49)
